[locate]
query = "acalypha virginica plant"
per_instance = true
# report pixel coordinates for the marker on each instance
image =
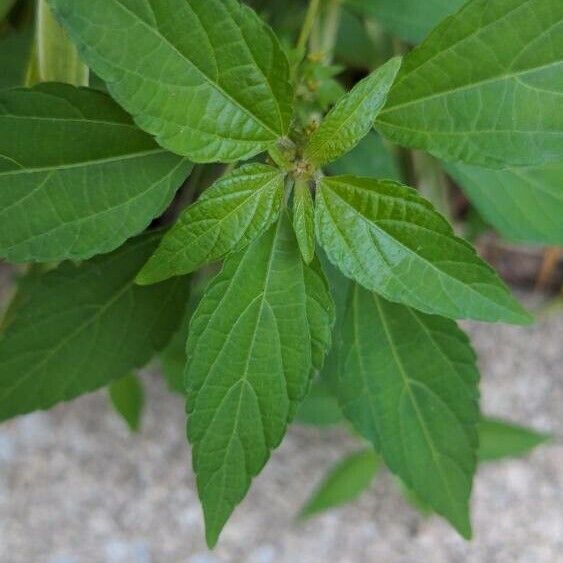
(230, 179)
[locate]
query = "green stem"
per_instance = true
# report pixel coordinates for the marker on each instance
(308, 24)
(331, 25)
(432, 182)
(56, 58)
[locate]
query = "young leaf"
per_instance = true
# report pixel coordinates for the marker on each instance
(352, 117)
(228, 216)
(408, 383)
(258, 332)
(304, 219)
(484, 87)
(127, 397)
(344, 483)
(206, 77)
(389, 239)
(77, 178)
(56, 56)
(411, 20)
(524, 204)
(499, 439)
(81, 327)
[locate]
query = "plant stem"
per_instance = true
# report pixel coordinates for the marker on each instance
(432, 181)
(56, 57)
(331, 25)
(308, 24)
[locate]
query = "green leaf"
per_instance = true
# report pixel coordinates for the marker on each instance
(259, 331)
(304, 219)
(173, 358)
(81, 327)
(57, 57)
(411, 20)
(344, 483)
(389, 239)
(355, 45)
(500, 439)
(351, 119)
(173, 361)
(228, 216)
(485, 87)
(15, 51)
(370, 158)
(320, 407)
(127, 397)
(524, 204)
(207, 77)
(77, 178)
(408, 383)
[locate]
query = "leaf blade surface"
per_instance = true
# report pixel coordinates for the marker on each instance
(260, 329)
(214, 81)
(485, 87)
(77, 178)
(389, 239)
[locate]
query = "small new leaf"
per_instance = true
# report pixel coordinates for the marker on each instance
(485, 86)
(344, 483)
(259, 331)
(77, 177)
(389, 239)
(352, 117)
(228, 216)
(207, 77)
(304, 220)
(81, 327)
(408, 383)
(127, 397)
(499, 439)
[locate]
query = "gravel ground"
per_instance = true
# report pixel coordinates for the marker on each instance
(76, 487)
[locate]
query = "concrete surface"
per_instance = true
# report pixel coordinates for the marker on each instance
(76, 487)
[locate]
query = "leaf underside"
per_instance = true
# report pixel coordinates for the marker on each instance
(411, 20)
(524, 204)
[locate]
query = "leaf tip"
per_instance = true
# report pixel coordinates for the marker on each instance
(147, 276)
(212, 534)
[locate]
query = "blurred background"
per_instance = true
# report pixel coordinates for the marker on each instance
(77, 486)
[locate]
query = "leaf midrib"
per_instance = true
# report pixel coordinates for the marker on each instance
(93, 162)
(410, 252)
(83, 219)
(407, 387)
(464, 87)
(156, 32)
(83, 326)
